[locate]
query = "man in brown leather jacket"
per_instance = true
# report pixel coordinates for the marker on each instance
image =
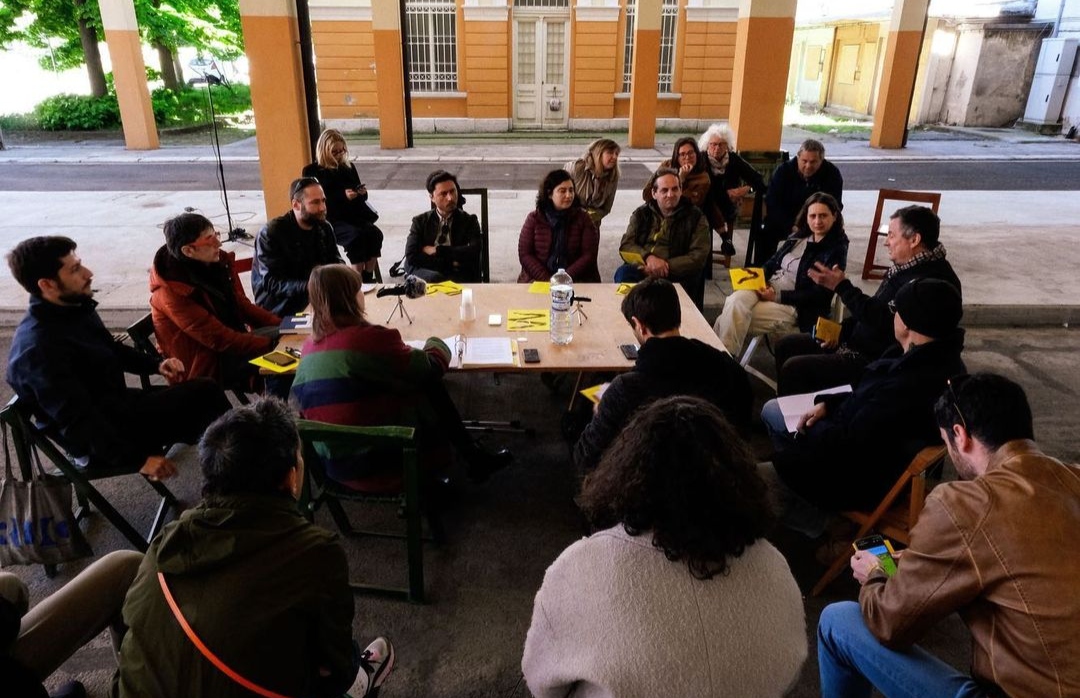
(995, 547)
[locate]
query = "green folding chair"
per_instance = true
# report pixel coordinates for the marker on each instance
(319, 489)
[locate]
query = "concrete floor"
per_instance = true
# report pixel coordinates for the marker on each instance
(467, 641)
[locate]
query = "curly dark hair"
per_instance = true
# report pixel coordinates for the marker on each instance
(680, 471)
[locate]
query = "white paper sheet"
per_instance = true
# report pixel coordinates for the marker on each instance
(794, 407)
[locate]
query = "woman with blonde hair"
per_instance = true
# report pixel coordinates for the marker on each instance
(347, 209)
(596, 178)
(359, 374)
(731, 179)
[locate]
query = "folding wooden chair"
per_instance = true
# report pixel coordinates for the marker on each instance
(27, 436)
(320, 489)
(877, 271)
(897, 513)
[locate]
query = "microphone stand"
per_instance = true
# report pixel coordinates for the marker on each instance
(399, 309)
(209, 80)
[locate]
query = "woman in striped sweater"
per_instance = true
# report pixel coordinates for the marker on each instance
(360, 374)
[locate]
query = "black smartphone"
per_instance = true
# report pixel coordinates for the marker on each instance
(629, 351)
(531, 356)
(279, 358)
(879, 546)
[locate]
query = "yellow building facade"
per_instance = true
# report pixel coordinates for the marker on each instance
(503, 65)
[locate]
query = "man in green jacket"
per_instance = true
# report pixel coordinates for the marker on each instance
(666, 238)
(263, 590)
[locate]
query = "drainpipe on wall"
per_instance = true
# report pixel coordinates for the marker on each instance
(307, 64)
(406, 84)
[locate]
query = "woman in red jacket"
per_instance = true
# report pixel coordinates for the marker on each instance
(201, 314)
(558, 235)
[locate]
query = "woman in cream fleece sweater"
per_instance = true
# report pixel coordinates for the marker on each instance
(680, 595)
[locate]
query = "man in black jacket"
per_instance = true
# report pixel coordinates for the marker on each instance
(667, 364)
(791, 185)
(445, 242)
(68, 367)
(851, 447)
(289, 247)
(804, 365)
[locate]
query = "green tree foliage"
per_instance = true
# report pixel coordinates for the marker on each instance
(211, 26)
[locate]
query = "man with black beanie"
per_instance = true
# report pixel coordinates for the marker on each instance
(851, 448)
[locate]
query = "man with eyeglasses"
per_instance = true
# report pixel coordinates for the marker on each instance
(289, 247)
(851, 447)
(67, 366)
(995, 546)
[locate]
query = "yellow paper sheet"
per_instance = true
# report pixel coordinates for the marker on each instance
(541, 287)
(448, 288)
(271, 366)
(632, 258)
(594, 393)
(623, 289)
(750, 279)
(528, 320)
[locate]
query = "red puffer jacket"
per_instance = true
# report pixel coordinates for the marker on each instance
(582, 246)
(187, 320)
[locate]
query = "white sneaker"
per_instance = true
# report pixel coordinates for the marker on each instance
(376, 663)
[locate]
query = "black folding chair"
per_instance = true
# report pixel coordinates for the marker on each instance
(27, 436)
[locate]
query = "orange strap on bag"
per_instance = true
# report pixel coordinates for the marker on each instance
(222, 666)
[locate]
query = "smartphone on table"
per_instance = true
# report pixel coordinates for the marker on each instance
(880, 547)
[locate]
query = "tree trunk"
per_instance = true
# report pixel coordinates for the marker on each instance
(168, 68)
(89, 40)
(179, 68)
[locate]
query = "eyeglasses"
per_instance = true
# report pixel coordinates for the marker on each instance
(208, 240)
(953, 399)
(338, 151)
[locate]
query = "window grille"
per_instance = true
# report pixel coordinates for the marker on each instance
(432, 28)
(669, 20)
(541, 3)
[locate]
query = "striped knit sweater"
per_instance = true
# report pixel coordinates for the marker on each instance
(366, 376)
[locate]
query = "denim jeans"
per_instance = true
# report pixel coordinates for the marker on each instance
(628, 274)
(851, 662)
(793, 511)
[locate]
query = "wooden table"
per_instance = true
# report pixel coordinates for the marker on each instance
(595, 346)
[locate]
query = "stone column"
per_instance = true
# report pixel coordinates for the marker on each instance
(763, 40)
(271, 42)
(389, 73)
(129, 73)
(645, 79)
(898, 73)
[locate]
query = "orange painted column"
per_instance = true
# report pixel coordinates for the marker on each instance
(389, 73)
(898, 74)
(271, 42)
(645, 78)
(129, 73)
(763, 40)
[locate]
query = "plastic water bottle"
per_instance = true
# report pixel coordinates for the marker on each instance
(562, 297)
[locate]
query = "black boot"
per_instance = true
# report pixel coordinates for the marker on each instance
(482, 462)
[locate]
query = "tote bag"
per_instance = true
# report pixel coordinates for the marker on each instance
(36, 522)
